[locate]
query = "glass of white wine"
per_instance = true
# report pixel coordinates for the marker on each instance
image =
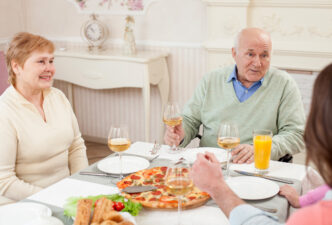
(118, 141)
(228, 138)
(172, 118)
(178, 181)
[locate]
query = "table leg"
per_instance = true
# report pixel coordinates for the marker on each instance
(163, 86)
(146, 101)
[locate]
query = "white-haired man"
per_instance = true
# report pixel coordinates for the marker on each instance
(250, 93)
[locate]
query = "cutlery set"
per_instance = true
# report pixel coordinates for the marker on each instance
(278, 179)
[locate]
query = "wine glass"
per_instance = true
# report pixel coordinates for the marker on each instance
(228, 138)
(118, 141)
(173, 118)
(178, 181)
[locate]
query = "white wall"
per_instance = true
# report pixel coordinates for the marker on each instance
(11, 19)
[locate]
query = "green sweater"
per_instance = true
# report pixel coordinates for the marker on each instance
(276, 106)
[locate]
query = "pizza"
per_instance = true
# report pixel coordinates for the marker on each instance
(159, 198)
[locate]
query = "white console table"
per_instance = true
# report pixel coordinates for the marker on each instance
(109, 69)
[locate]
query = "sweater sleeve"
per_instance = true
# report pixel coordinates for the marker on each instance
(77, 150)
(290, 123)
(314, 196)
(192, 113)
(10, 185)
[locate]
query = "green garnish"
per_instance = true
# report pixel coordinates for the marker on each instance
(132, 207)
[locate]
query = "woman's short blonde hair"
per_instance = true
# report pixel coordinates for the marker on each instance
(20, 49)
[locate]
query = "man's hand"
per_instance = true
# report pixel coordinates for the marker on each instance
(207, 176)
(174, 135)
(243, 153)
(206, 173)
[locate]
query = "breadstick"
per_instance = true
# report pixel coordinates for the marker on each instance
(104, 205)
(83, 212)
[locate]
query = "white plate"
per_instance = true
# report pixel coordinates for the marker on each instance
(23, 213)
(191, 154)
(130, 164)
(252, 188)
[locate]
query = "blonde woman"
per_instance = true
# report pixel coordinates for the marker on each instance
(39, 134)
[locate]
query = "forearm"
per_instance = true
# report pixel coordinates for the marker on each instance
(314, 196)
(16, 189)
(225, 198)
(248, 215)
(77, 150)
(77, 156)
(287, 142)
(290, 123)
(190, 127)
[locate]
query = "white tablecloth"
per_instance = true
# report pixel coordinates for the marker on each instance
(309, 177)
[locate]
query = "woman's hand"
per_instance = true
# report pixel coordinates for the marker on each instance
(291, 195)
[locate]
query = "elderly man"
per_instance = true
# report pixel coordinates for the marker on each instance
(252, 94)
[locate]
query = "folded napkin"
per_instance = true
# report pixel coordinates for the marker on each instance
(198, 216)
(58, 193)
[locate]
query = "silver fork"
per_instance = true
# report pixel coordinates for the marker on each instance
(155, 148)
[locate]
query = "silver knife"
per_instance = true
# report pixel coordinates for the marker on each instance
(138, 189)
(283, 180)
(100, 174)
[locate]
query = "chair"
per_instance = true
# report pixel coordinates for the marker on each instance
(3, 73)
(288, 158)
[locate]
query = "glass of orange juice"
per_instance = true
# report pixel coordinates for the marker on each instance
(262, 150)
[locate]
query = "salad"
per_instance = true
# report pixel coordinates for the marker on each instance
(120, 204)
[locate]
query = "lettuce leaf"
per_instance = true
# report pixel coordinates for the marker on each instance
(132, 207)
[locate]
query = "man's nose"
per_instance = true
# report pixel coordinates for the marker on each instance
(257, 61)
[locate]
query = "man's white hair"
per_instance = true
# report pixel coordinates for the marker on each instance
(237, 40)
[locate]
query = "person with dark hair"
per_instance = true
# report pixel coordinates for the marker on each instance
(39, 134)
(207, 175)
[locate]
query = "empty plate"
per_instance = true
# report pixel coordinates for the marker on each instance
(130, 164)
(23, 213)
(252, 188)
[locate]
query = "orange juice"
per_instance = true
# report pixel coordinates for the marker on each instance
(262, 151)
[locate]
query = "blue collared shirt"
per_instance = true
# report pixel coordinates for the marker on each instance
(241, 91)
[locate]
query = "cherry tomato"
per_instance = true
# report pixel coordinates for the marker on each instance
(118, 206)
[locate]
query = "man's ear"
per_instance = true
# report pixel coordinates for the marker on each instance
(233, 53)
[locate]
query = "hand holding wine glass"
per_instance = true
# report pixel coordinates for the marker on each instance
(178, 181)
(118, 141)
(228, 138)
(172, 118)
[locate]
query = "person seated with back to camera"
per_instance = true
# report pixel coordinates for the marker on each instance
(39, 134)
(207, 174)
(250, 93)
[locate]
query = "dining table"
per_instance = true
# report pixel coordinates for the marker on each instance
(79, 185)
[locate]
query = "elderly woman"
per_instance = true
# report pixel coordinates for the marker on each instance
(39, 134)
(318, 139)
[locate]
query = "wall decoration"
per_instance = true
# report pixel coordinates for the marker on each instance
(274, 23)
(113, 7)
